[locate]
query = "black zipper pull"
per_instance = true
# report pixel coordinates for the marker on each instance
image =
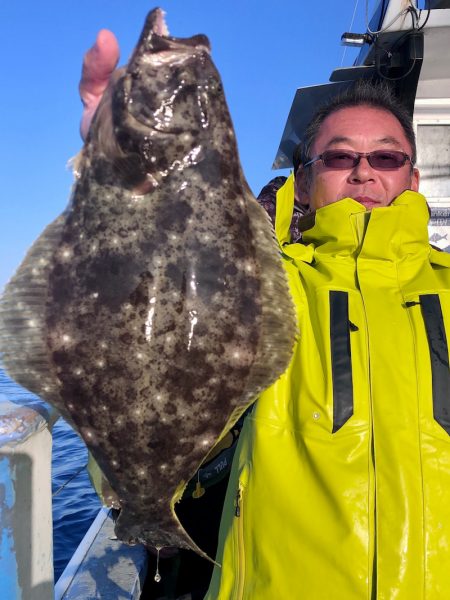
(199, 490)
(411, 303)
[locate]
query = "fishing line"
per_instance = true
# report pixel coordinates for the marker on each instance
(350, 29)
(69, 480)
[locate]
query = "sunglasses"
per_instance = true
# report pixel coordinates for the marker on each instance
(381, 160)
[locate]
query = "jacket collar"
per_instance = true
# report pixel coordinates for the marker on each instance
(345, 228)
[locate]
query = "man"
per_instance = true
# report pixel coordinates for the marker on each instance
(340, 487)
(337, 487)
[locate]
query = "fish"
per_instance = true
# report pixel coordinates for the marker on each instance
(155, 309)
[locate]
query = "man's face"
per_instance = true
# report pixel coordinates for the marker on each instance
(359, 129)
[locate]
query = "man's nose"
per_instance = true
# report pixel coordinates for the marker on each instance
(362, 171)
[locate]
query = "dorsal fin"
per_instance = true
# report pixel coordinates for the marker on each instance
(23, 347)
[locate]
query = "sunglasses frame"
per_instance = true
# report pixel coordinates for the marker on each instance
(357, 157)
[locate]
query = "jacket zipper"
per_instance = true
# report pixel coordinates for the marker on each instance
(239, 538)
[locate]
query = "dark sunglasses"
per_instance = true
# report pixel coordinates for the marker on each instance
(382, 160)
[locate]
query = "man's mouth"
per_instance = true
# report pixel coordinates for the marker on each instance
(367, 201)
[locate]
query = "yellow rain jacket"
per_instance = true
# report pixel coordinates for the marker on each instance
(340, 487)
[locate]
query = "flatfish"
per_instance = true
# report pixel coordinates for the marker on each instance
(155, 309)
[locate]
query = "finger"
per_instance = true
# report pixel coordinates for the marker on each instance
(98, 64)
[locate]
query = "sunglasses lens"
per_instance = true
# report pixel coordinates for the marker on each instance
(339, 159)
(383, 160)
(386, 160)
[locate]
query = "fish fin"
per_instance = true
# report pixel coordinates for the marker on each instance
(101, 485)
(74, 164)
(279, 324)
(23, 347)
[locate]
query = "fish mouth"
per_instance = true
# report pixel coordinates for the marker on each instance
(155, 38)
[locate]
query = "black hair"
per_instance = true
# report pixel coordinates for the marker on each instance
(362, 92)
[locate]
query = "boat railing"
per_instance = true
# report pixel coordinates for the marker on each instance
(26, 532)
(101, 567)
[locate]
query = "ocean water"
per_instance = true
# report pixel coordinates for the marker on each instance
(76, 505)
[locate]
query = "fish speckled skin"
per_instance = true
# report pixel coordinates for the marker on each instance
(155, 309)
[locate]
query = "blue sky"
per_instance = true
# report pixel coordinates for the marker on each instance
(263, 49)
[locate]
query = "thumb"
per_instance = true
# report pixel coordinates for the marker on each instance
(98, 64)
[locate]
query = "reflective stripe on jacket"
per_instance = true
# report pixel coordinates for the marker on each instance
(340, 487)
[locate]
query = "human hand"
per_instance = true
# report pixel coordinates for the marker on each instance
(98, 64)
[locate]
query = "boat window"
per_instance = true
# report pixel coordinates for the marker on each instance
(425, 4)
(433, 160)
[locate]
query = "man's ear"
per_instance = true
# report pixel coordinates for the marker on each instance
(301, 188)
(415, 178)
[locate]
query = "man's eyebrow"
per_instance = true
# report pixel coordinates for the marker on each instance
(389, 140)
(338, 139)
